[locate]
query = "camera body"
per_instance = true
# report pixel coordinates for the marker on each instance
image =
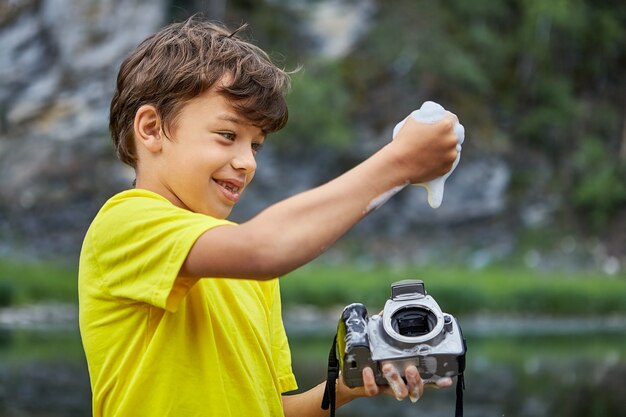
(412, 330)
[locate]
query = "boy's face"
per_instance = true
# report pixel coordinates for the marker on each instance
(210, 157)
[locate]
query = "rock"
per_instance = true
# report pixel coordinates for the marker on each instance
(58, 64)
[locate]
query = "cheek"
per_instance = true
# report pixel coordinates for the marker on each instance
(249, 177)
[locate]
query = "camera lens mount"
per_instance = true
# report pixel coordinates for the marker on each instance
(412, 323)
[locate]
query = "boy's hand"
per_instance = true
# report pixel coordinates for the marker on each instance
(413, 388)
(425, 151)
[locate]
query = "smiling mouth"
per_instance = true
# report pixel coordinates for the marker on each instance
(231, 191)
(230, 187)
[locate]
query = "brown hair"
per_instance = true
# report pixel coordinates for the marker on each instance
(182, 61)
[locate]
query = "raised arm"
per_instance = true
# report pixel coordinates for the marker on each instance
(294, 231)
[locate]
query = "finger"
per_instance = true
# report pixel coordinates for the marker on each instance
(459, 129)
(452, 116)
(444, 382)
(395, 381)
(414, 383)
(369, 382)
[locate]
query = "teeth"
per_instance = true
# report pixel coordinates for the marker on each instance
(229, 187)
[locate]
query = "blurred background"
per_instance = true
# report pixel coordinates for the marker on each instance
(528, 249)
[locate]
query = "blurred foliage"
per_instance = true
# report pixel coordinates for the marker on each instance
(496, 289)
(6, 294)
(541, 81)
(501, 290)
(549, 74)
(601, 186)
(272, 26)
(21, 346)
(607, 401)
(318, 105)
(26, 282)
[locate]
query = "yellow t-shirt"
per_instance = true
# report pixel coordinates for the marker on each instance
(162, 345)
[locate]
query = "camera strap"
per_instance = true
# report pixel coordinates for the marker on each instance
(460, 386)
(329, 398)
(460, 382)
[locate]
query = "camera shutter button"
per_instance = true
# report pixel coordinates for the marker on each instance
(447, 323)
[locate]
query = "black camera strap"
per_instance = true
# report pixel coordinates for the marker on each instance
(460, 382)
(329, 398)
(330, 393)
(460, 386)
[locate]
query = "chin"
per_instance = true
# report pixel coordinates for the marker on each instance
(221, 214)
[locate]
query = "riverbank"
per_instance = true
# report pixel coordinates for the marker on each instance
(44, 316)
(311, 320)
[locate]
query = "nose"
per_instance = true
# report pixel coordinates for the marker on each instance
(244, 159)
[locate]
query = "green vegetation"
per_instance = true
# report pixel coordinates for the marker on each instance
(23, 282)
(496, 289)
(536, 81)
(536, 76)
(21, 346)
(462, 290)
(318, 102)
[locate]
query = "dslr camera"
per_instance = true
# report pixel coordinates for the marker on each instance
(412, 330)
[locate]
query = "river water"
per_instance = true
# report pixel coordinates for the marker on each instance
(528, 368)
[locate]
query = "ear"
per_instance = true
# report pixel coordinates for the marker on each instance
(147, 128)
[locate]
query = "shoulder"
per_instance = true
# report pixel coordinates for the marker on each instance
(139, 205)
(141, 214)
(129, 199)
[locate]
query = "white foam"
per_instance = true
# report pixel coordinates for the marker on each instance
(392, 376)
(382, 199)
(431, 113)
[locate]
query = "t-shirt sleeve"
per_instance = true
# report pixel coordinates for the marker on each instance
(140, 245)
(280, 345)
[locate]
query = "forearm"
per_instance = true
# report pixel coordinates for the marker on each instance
(308, 404)
(304, 226)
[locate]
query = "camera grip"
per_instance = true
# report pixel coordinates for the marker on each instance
(354, 325)
(353, 347)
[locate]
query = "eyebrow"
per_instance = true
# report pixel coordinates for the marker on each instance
(230, 118)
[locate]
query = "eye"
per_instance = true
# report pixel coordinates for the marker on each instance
(256, 146)
(227, 135)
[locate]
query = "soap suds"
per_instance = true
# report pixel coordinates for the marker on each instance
(431, 113)
(414, 395)
(382, 199)
(393, 378)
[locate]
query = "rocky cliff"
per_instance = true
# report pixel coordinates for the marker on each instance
(58, 63)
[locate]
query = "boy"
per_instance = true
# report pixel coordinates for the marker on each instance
(179, 308)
